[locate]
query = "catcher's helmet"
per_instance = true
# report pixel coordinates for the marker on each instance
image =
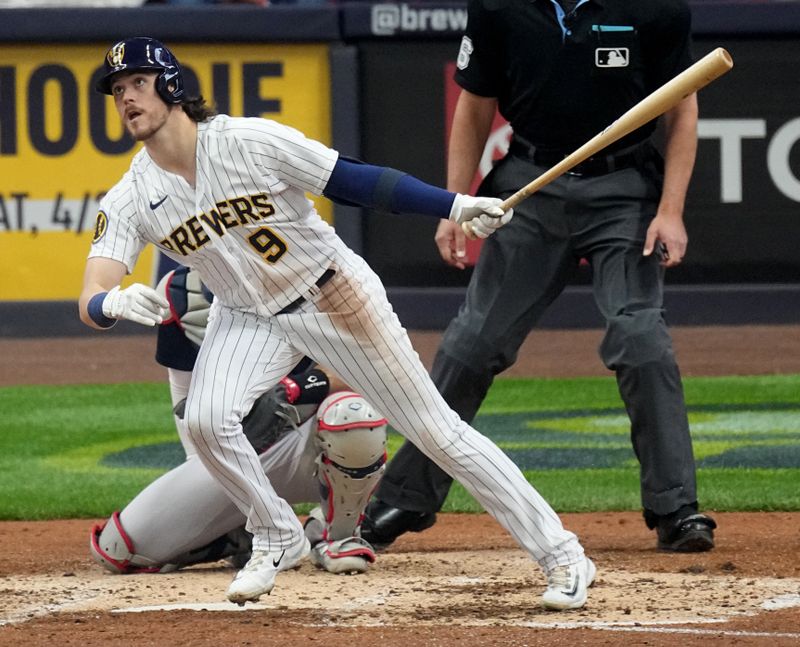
(142, 53)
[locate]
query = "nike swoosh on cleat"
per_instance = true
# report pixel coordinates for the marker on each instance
(277, 562)
(574, 588)
(154, 205)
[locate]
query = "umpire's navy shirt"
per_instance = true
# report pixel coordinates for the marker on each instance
(560, 80)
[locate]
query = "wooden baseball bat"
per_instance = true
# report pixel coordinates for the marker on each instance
(709, 68)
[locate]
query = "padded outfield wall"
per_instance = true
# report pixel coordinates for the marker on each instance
(375, 80)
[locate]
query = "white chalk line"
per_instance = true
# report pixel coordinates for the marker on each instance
(703, 632)
(785, 600)
(712, 632)
(654, 627)
(662, 627)
(51, 609)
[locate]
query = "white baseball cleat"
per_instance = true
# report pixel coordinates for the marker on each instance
(566, 585)
(258, 576)
(349, 555)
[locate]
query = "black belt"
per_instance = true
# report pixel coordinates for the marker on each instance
(327, 275)
(598, 165)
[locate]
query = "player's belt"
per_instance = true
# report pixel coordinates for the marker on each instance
(598, 165)
(327, 275)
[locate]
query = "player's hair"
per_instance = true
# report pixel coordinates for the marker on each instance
(197, 109)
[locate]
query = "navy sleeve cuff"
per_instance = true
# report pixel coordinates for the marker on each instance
(95, 310)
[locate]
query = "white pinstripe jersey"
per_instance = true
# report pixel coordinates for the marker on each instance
(246, 227)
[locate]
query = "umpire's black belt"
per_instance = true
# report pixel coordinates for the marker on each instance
(327, 275)
(597, 165)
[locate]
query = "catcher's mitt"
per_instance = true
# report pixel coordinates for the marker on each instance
(272, 416)
(189, 302)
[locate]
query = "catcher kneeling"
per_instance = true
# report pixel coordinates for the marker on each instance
(314, 445)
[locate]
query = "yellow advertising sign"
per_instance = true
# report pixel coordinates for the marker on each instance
(62, 145)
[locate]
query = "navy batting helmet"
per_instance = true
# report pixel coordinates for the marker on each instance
(142, 53)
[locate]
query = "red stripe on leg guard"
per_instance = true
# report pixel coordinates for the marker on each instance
(124, 566)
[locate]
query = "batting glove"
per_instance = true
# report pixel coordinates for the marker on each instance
(482, 216)
(138, 303)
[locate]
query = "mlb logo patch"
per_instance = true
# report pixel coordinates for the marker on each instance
(612, 57)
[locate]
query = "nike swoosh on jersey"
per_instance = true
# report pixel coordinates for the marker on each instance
(155, 205)
(277, 562)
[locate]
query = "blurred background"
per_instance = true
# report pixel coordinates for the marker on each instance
(374, 80)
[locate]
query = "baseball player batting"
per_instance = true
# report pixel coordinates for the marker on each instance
(226, 196)
(313, 447)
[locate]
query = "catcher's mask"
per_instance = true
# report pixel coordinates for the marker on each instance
(143, 53)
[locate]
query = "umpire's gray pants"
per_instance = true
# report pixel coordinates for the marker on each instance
(521, 270)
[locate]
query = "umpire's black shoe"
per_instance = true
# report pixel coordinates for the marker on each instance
(384, 523)
(690, 534)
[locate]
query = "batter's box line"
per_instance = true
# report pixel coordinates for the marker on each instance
(663, 626)
(702, 632)
(27, 614)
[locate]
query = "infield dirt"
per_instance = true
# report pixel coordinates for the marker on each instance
(463, 582)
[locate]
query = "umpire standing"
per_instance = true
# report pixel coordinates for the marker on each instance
(560, 71)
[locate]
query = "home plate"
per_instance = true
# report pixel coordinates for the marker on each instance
(782, 602)
(410, 589)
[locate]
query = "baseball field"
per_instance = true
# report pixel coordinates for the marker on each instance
(86, 424)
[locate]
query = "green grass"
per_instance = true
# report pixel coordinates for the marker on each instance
(52, 439)
(84, 451)
(723, 490)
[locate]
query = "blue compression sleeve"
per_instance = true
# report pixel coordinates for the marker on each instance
(365, 185)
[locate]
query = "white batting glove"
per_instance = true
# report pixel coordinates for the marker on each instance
(479, 216)
(138, 303)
